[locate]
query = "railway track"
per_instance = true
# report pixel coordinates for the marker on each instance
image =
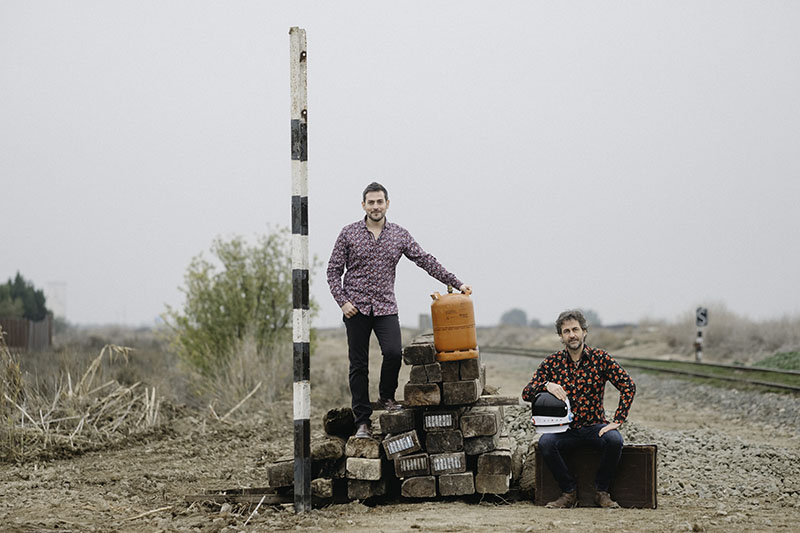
(762, 377)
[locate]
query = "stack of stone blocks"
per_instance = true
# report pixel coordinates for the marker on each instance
(440, 444)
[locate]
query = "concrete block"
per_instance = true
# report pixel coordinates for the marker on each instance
(492, 483)
(339, 422)
(469, 369)
(482, 378)
(417, 464)
(419, 487)
(423, 353)
(461, 484)
(364, 469)
(322, 488)
(395, 422)
(281, 474)
(440, 420)
(364, 448)
(402, 444)
(450, 370)
(434, 372)
(329, 469)
(479, 445)
(359, 489)
(448, 463)
(497, 462)
(444, 441)
(421, 394)
(480, 423)
(460, 392)
(327, 448)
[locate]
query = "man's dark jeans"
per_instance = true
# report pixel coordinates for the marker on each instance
(387, 330)
(553, 445)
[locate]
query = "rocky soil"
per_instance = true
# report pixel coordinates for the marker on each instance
(727, 460)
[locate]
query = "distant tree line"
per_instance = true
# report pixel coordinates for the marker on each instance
(20, 299)
(518, 317)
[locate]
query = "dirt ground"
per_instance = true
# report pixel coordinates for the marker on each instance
(141, 486)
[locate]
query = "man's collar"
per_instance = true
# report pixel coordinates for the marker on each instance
(386, 222)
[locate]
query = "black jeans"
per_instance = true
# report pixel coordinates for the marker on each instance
(387, 330)
(552, 446)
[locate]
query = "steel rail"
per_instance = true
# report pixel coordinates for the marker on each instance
(636, 363)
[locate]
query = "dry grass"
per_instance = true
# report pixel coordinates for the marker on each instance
(732, 338)
(80, 415)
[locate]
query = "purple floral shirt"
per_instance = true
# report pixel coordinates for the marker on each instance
(369, 264)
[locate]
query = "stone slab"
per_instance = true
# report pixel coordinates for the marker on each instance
(327, 448)
(364, 448)
(322, 488)
(469, 369)
(479, 445)
(419, 487)
(497, 462)
(492, 483)
(450, 370)
(444, 441)
(480, 423)
(364, 469)
(339, 422)
(359, 489)
(394, 422)
(417, 374)
(460, 392)
(421, 394)
(419, 353)
(281, 474)
(461, 484)
(434, 372)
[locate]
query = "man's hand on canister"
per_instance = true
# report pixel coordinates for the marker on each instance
(607, 428)
(556, 390)
(349, 310)
(464, 287)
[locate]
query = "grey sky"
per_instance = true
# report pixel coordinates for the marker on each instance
(635, 158)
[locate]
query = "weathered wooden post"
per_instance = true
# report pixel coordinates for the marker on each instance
(300, 318)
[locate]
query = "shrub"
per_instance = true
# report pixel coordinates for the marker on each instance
(245, 296)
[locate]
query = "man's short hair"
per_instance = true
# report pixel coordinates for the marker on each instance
(374, 187)
(571, 314)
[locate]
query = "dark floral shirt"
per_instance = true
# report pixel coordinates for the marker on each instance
(584, 383)
(369, 264)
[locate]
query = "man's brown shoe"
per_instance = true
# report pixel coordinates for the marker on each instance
(566, 500)
(390, 404)
(363, 432)
(603, 499)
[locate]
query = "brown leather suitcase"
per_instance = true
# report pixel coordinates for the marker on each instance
(634, 484)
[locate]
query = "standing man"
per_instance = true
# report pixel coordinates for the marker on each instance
(580, 373)
(367, 253)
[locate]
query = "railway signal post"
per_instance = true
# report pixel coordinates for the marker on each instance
(701, 319)
(300, 313)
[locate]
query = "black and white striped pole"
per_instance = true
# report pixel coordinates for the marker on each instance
(300, 316)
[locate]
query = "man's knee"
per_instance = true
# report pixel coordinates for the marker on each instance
(612, 439)
(547, 443)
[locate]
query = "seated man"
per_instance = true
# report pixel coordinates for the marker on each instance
(580, 373)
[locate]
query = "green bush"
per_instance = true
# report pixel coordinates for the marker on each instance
(245, 294)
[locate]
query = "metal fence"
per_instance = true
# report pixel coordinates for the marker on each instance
(24, 334)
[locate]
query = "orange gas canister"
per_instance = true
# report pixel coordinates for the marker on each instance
(453, 319)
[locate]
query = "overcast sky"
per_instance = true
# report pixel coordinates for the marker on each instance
(635, 158)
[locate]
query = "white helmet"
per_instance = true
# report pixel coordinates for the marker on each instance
(550, 415)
